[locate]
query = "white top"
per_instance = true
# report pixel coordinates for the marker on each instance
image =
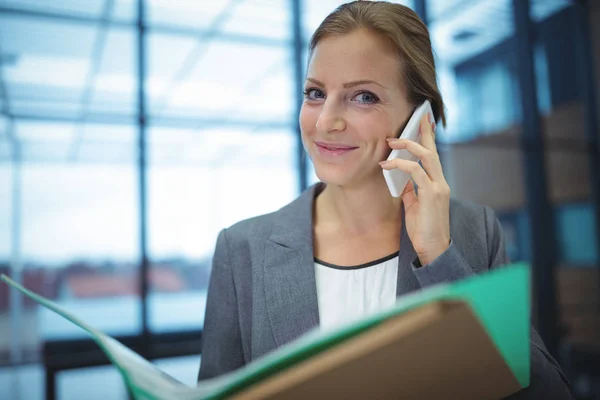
(347, 293)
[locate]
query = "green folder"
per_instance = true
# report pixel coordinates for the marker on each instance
(499, 299)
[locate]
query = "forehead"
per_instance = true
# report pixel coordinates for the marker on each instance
(358, 55)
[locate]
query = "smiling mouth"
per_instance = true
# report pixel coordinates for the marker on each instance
(333, 150)
(334, 147)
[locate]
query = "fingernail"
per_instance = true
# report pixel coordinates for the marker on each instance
(428, 118)
(383, 163)
(391, 139)
(433, 126)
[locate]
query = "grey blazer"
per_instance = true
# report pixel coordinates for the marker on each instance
(262, 291)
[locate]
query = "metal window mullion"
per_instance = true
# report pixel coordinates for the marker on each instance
(539, 207)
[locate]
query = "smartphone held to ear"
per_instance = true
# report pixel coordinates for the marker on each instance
(396, 179)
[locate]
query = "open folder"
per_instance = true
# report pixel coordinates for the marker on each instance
(467, 339)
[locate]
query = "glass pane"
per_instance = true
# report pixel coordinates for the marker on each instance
(124, 11)
(3, 127)
(199, 80)
(76, 238)
(477, 74)
(68, 142)
(106, 381)
(260, 18)
(166, 55)
(186, 13)
(22, 382)
(201, 181)
(480, 146)
(62, 69)
(5, 150)
(89, 8)
(27, 382)
(105, 144)
(49, 66)
(114, 83)
(568, 165)
(90, 265)
(576, 234)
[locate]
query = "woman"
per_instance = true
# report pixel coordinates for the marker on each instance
(345, 247)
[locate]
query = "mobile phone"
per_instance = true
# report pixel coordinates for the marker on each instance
(396, 179)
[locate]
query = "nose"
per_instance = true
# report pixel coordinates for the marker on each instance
(331, 118)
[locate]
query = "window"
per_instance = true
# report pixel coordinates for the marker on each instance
(221, 141)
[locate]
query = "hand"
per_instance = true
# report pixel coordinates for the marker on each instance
(427, 216)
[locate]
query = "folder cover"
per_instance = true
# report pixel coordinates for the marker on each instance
(434, 343)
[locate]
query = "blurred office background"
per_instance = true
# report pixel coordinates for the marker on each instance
(132, 131)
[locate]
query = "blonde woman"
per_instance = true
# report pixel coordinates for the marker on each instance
(345, 247)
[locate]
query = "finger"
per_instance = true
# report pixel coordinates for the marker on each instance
(426, 128)
(409, 195)
(430, 159)
(413, 168)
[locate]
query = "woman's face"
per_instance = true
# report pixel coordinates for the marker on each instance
(354, 100)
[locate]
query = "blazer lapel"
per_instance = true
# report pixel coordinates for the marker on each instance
(290, 287)
(407, 281)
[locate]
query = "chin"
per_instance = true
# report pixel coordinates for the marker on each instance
(337, 175)
(340, 175)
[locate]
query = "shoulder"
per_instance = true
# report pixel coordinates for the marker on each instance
(473, 224)
(239, 245)
(465, 209)
(292, 219)
(255, 227)
(477, 233)
(466, 215)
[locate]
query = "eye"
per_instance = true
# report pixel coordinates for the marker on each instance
(366, 98)
(314, 94)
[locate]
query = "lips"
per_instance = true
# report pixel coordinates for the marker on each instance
(333, 149)
(335, 146)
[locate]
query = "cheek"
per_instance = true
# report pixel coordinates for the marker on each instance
(308, 120)
(374, 130)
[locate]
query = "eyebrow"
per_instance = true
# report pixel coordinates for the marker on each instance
(347, 85)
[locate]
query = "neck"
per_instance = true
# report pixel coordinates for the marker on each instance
(358, 209)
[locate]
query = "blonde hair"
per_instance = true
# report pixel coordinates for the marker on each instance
(408, 35)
